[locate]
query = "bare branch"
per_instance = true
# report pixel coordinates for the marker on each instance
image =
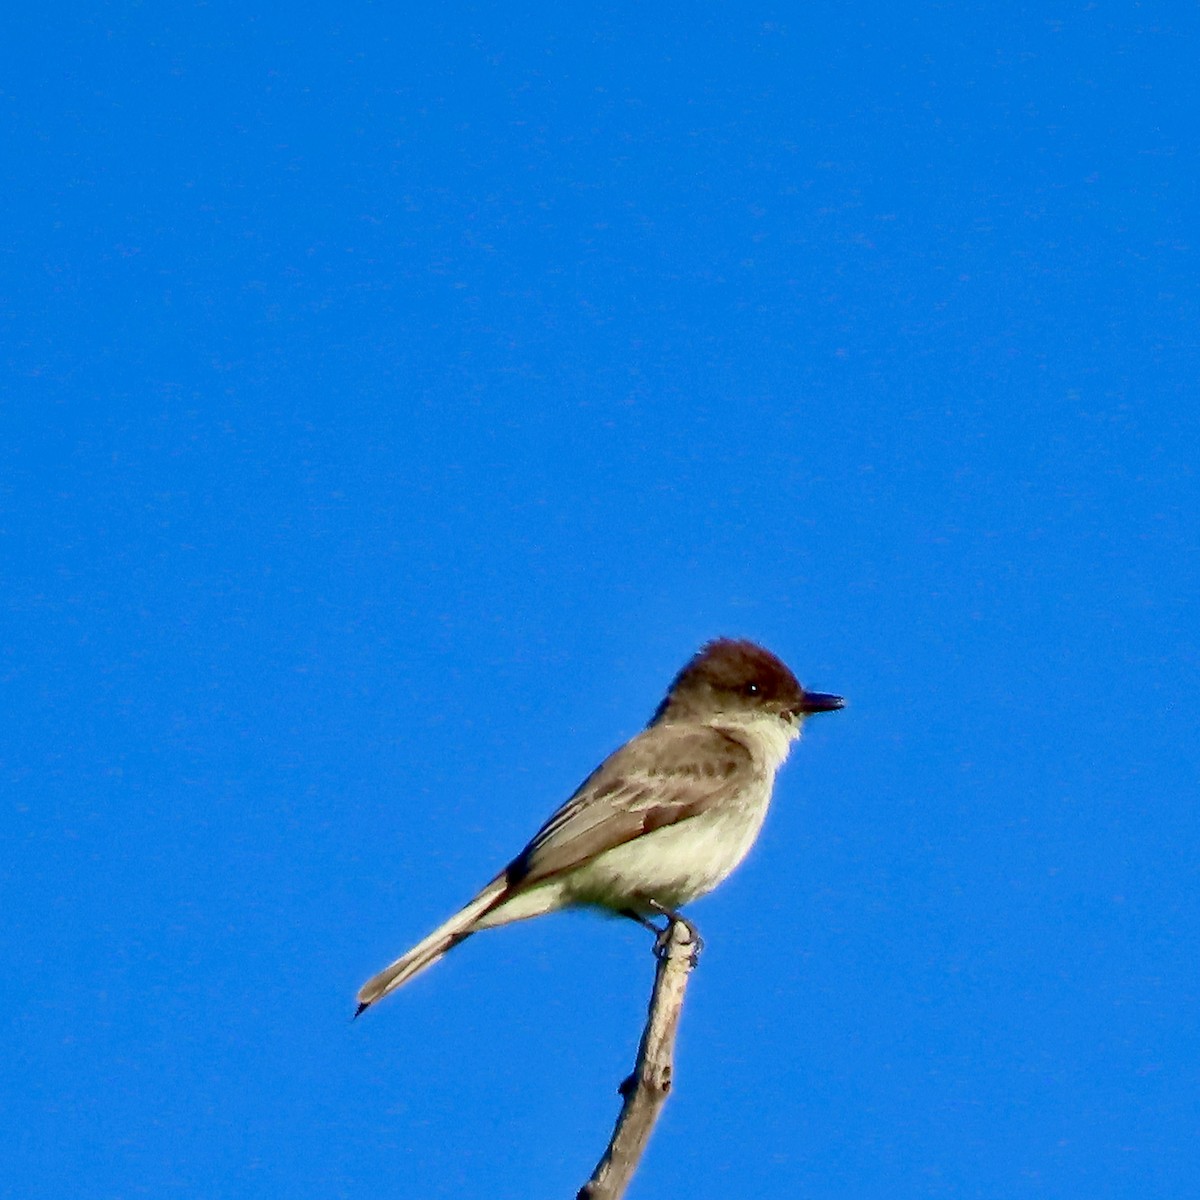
(645, 1091)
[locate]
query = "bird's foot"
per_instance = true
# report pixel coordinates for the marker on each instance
(663, 939)
(662, 934)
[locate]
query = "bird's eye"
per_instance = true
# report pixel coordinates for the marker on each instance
(751, 689)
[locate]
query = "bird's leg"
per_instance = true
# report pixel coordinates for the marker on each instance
(644, 922)
(672, 916)
(660, 935)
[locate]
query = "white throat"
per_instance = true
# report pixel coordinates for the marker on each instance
(768, 737)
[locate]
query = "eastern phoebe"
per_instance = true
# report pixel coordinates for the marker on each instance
(661, 821)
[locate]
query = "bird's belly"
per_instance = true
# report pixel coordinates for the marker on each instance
(672, 865)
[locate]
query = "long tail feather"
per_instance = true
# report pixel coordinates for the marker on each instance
(427, 951)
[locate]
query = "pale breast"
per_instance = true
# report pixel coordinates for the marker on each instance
(676, 863)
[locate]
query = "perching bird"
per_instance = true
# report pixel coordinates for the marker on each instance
(662, 820)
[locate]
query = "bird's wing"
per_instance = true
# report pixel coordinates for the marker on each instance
(666, 774)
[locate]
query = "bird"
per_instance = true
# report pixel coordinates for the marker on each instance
(662, 820)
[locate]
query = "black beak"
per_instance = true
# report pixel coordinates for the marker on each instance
(815, 702)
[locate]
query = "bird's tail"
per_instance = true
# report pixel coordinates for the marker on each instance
(426, 952)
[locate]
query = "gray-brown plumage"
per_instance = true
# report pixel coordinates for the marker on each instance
(662, 820)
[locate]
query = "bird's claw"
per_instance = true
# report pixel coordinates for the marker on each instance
(662, 941)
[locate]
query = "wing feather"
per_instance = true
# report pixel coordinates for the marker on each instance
(668, 773)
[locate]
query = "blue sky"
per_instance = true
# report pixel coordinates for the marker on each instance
(395, 399)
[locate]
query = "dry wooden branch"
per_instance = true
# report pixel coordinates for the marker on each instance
(645, 1091)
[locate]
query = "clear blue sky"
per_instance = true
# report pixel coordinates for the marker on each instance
(395, 398)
